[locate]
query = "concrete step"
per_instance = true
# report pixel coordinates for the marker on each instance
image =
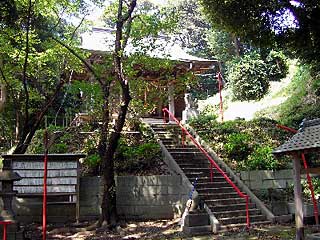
(205, 174)
(203, 170)
(206, 181)
(233, 207)
(212, 196)
(241, 219)
(204, 189)
(237, 213)
(188, 164)
(182, 149)
(227, 201)
(186, 154)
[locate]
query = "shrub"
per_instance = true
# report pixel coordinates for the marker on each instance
(245, 144)
(262, 159)
(277, 65)
(238, 146)
(248, 78)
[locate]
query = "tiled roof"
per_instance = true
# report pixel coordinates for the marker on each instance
(307, 138)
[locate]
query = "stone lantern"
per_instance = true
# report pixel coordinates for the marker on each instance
(7, 177)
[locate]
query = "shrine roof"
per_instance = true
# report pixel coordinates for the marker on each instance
(306, 139)
(102, 40)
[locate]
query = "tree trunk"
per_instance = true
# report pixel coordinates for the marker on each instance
(237, 48)
(30, 127)
(108, 206)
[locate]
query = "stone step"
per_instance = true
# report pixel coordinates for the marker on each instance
(230, 227)
(182, 149)
(216, 177)
(199, 230)
(227, 201)
(204, 189)
(233, 207)
(206, 181)
(213, 196)
(241, 219)
(203, 170)
(187, 154)
(237, 213)
(188, 164)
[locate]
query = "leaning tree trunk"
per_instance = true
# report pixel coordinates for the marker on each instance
(108, 206)
(30, 127)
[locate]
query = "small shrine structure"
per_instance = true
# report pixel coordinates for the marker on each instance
(99, 42)
(306, 140)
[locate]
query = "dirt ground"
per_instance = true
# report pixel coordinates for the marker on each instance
(161, 229)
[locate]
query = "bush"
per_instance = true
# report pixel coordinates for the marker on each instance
(277, 65)
(238, 146)
(244, 144)
(262, 159)
(248, 78)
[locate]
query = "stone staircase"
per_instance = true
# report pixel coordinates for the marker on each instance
(224, 202)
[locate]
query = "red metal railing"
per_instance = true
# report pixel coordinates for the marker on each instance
(315, 204)
(5, 223)
(212, 162)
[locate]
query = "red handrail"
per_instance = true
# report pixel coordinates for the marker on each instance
(212, 163)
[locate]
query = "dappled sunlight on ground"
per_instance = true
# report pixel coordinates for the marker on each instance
(161, 229)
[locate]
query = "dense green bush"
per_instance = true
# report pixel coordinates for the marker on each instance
(244, 145)
(277, 65)
(248, 78)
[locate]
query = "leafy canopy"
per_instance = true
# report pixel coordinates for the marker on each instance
(293, 25)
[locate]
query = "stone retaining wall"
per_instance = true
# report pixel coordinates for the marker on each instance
(138, 197)
(265, 179)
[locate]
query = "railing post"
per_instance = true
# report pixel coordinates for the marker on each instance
(247, 211)
(211, 172)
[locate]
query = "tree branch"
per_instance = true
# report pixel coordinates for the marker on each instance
(88, 65)
(76, 29)
(25, 65)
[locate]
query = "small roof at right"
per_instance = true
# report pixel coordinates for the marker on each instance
(306, 139)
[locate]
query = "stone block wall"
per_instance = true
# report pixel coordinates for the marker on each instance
(138, 197)
(150, 197)
(266, 179)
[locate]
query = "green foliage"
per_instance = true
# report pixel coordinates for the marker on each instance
(222, 45)
(262, 158)
(277, 65)
(244, 144)
(302, 98)
(248, 78)
(316, 188)
(238, 146)
(266, 23)
(137, 157)
(92, 160)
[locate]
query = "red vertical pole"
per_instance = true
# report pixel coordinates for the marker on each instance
(211, 172)
(44, 203)
(4, 231)
(315, 205)
(220, 93)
